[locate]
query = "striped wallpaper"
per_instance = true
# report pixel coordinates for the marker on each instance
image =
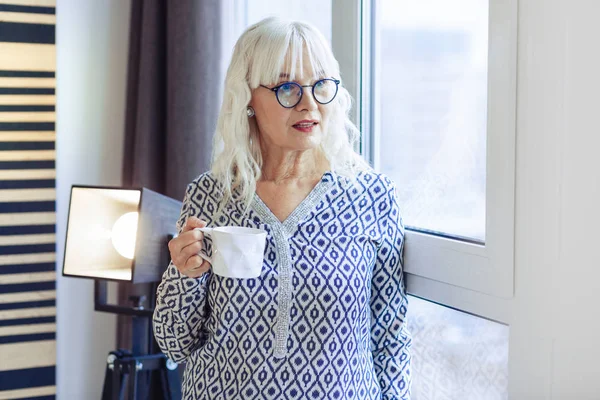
(27, 199)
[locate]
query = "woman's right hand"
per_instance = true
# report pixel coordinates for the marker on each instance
(184, 249)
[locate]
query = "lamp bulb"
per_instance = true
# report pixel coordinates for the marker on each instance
(123, 234)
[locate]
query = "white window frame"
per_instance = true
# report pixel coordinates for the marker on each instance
(475, 278)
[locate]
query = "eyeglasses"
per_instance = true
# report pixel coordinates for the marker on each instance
(289, 94)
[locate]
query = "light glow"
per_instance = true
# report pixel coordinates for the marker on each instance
(124, 233)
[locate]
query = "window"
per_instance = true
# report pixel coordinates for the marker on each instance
(456, 355)
(436, 84)
(433, 111)
(300, 10)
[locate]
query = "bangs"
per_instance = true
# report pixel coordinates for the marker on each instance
(282, 49)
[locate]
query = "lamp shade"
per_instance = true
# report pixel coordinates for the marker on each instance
(118, 233)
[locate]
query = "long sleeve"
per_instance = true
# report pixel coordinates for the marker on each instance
(181, 302)
(390, 338)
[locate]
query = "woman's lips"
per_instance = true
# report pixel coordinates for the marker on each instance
(306, 127)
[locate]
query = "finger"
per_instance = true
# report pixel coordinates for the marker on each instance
(189, 264)
(190, 250)
(195, 266)
(181, 258)
(178, 244)
(195, 273)
(193, 222)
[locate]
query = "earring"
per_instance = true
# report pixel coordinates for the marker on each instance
(250, 112)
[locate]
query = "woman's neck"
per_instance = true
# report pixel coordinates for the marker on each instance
(293, 166)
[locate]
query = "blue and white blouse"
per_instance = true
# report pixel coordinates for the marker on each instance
(325, 320)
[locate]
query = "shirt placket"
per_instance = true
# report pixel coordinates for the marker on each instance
(282, 232)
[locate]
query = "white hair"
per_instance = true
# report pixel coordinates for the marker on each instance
(258, 58)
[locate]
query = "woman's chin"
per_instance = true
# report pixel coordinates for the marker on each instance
(306, 141)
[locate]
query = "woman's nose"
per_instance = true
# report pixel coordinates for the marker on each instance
(307, 102)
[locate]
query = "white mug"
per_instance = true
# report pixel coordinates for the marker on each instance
(237, 251)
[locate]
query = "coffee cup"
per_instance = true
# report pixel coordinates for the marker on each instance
(237, 251)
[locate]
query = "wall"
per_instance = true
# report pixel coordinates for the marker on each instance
(92, 50)
(27, 199)
(554, 348)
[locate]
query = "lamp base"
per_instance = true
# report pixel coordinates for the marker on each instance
(122, 372)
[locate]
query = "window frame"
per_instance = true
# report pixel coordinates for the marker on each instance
(472, 277)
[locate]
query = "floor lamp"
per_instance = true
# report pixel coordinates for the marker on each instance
(121, 234)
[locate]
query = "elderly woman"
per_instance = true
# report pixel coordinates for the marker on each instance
(326, 319)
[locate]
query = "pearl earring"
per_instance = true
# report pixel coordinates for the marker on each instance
(250, 112)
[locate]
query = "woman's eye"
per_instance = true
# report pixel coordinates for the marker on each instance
(287, 87)
(321, 86)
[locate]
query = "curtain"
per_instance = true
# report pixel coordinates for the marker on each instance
(173, 98)
(173, 93)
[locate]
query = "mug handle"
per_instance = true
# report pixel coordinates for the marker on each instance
(207, 231)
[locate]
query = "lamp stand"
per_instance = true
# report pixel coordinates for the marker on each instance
(126, 369)
(145, 371)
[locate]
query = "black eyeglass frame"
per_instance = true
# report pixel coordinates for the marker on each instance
(275, 89)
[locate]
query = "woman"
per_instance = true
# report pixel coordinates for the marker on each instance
(326, 318)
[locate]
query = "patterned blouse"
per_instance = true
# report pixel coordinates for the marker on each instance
(325, 320)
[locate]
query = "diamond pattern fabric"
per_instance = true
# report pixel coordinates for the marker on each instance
(325, 320)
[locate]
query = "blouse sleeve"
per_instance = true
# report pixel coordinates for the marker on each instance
(181, 306)
(390, 338)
